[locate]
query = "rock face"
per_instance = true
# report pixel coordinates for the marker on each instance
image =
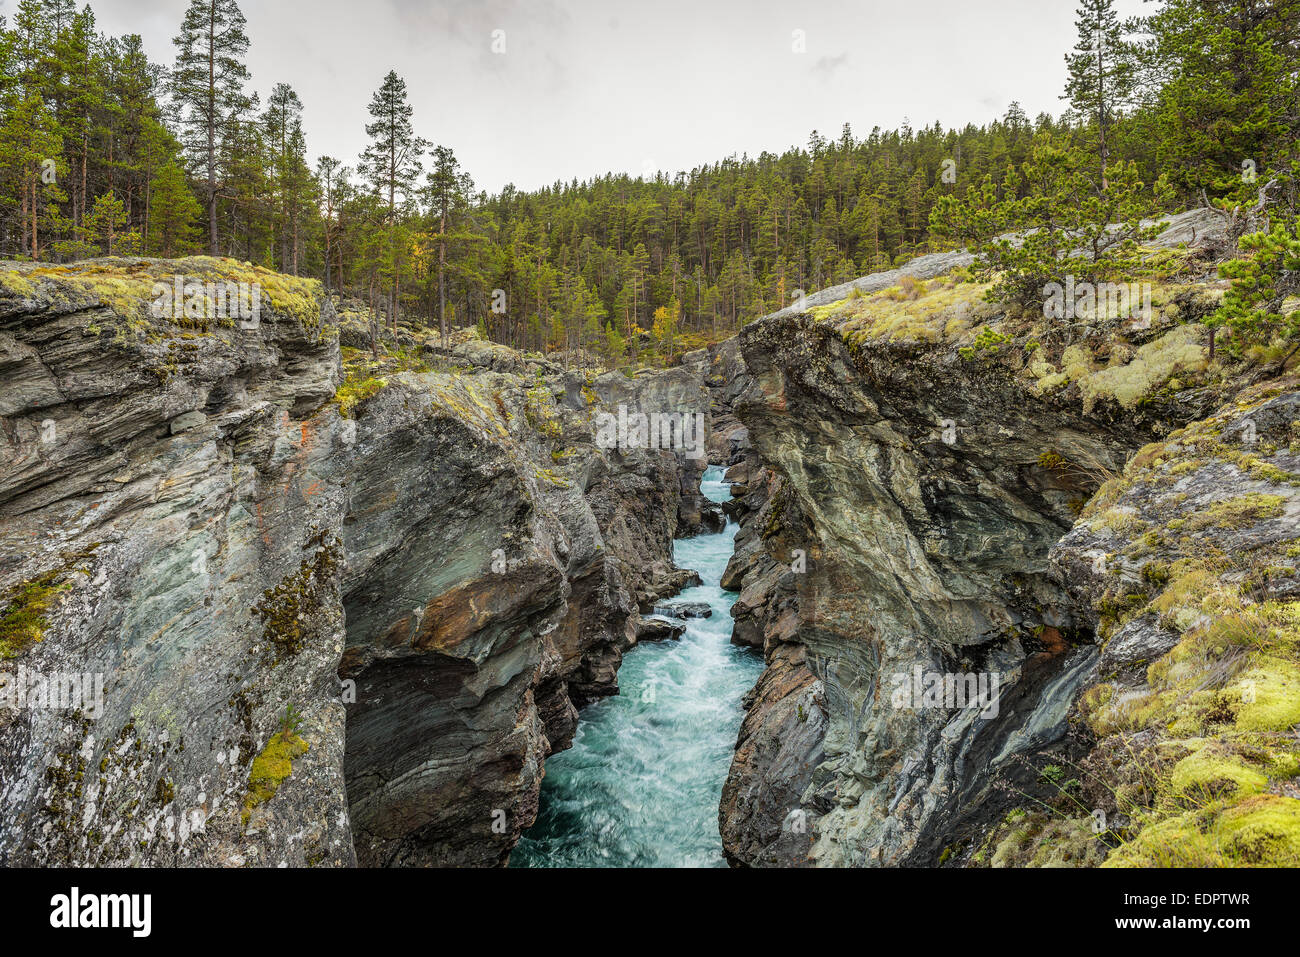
(320, 639)
(902, 502)
(489, 596)
(170, 502)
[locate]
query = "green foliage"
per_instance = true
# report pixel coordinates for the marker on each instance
(1194, 90)
(1068, 221)
(1224, 80)
(1262, 303)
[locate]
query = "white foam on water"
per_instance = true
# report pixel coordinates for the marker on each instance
(640, 787)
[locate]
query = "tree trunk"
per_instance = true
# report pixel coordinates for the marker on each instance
(212, 128)
(442, 280)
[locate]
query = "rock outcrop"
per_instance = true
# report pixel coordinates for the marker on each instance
(331, 621)
(911, 477)
(170, 503)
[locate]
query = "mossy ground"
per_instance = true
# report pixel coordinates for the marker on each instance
(125, 286)
(1218, 714)
(365, 376)
(1262, 830)
(914, 311)
(1093, 358)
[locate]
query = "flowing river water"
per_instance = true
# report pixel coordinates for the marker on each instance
(640, 787)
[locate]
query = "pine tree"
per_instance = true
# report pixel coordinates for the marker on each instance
(173, 213)
(1260, 303)
(1102, 76)
(392, 164)
(105, 223)
(207, 84)
(1070, 224)
(1226, 80)
(282, 125)
(444, 192)
(331, 173)
(30, 151)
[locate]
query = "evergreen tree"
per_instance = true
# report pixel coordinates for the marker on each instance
(207, 85)
(392, 165)
(1225, 80)
(1260, 304)
(1070, 224)
(444, 192)
(1101, 68)
(173, 213)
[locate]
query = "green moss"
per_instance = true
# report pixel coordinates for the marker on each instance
(539, 411)
(14, 283)
(352, 392)
(1270, 696)
(271, 768)
(1037, 840)
(913, 311)
(1239, 512)
(23, 621)
(284, 608)
(1207, 772)
(1262, 830)
(550, 475)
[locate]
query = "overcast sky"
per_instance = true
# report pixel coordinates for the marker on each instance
(589, 86)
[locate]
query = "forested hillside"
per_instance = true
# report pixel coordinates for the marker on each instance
(104, 153)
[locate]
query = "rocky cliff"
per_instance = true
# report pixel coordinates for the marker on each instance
(1025, 590)
(303, 608)
(941, 487)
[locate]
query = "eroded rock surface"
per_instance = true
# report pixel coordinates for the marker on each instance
(323, 638)
(926, 481)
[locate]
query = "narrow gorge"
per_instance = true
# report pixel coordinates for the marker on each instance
(414, 612)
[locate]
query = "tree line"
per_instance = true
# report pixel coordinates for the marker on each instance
(104, 153)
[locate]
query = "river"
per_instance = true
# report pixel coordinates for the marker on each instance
(640, 787)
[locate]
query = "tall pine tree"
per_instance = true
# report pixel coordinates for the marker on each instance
(207, 84)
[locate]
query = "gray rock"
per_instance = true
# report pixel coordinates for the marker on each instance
(198, 523)
(659, 629)
(684, 609)
(188, 421)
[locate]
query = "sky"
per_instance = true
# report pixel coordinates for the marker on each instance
(534, 91)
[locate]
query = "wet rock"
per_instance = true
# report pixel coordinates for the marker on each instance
(685, 609)
(659, 629)
(762, 818)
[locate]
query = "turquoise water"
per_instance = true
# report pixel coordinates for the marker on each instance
(641, 784)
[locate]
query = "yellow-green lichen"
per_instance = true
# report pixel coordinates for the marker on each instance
(270, 769)
(1240, 512)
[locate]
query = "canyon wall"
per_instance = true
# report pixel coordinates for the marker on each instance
(328, 626)
(923, 500)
